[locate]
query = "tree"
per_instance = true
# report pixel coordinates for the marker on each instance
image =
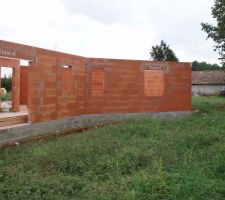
(202, 66)
(6, 82)
(217, 32)
(163, 52)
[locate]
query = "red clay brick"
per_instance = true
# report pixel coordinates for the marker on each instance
(97, 85)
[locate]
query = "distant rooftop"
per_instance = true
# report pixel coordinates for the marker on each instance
(208, 78)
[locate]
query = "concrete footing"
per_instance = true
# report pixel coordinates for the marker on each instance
(22, 132)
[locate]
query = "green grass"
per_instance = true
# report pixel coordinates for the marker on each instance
(146, 159)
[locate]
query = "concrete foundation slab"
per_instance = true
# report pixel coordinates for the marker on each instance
(23, 132)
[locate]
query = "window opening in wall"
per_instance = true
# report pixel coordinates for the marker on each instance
(97, 82)
(24, 63)
(67, 66)
(154, 83)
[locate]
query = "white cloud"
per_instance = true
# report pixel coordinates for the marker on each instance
(109, 28)
(104, 11)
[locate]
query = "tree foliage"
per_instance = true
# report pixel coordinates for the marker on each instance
(163, 52)
(6, 82)
(217, 31)
(202, 66)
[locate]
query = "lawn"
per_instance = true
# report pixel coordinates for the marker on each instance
(143, 159)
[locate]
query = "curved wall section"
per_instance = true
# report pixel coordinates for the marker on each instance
(62, 85)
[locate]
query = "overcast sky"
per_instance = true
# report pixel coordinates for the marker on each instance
(110, 28)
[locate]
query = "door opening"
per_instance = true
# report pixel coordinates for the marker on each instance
(6, 89)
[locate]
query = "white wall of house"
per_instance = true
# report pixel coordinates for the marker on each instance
(206, 89)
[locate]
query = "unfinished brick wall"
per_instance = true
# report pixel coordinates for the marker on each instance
(54, 91)
(125, 90)
(95, 86)
(24, 85)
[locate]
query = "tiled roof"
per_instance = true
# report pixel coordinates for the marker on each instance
(208, 77)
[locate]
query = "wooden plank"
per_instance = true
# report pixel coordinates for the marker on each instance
(9, 121)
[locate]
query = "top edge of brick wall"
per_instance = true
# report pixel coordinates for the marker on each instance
(21, 51)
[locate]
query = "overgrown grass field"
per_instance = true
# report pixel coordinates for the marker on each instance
(146, 159)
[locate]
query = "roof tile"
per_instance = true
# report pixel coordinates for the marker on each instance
(208, 77)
